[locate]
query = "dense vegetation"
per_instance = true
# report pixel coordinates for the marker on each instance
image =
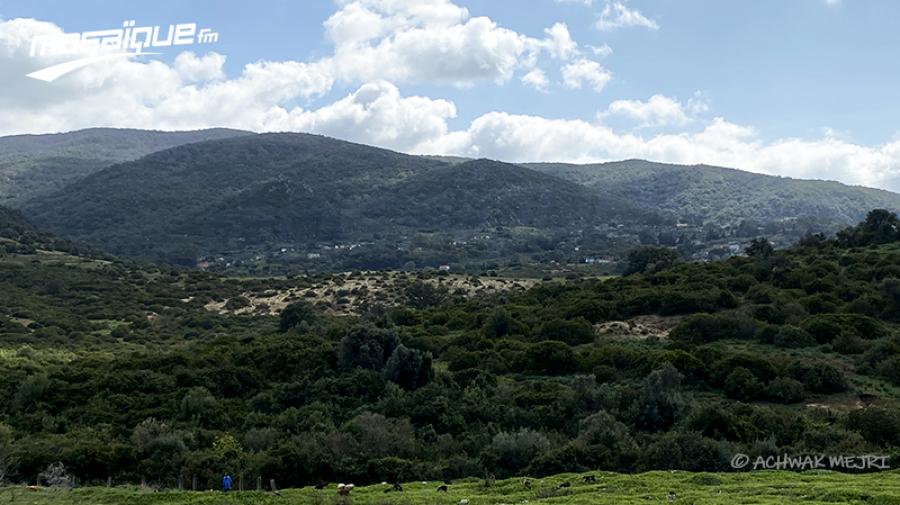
(304, 192)
(706, 194)
(116, 369)
(272, 204)
(36, 165)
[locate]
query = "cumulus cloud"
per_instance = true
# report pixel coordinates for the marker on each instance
(403, 39)
(616, 14)
(375, 113)
(205, 68)
(432, 41)
(585, 72)
(522, 138)
(536, 79)
(659, 110)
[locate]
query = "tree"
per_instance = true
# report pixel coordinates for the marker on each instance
(880, 227)
(510, 453)
(421, 295)
(295, 314)
(409, 368)
(7, 458)
(760, 248)
(660, 403)
(56, 475)
(650, 260)
(368, 347)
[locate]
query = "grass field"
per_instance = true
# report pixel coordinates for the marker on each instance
(780, 488)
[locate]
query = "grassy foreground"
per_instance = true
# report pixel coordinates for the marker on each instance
(781, 488)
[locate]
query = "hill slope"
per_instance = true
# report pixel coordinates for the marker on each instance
(34, 165)
(297, 189)
(703, 193)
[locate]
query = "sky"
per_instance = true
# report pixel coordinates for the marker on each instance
(799, 88)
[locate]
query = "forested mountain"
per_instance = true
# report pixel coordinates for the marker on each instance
(34, 165)
(271, 203)
(724, 196)
(302, 190)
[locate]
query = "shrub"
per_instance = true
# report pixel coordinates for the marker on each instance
(704, 328)
(573, 332)
(817, 377)
(742, 385)
(786, 390)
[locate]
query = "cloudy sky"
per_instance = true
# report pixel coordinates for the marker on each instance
(802, 88)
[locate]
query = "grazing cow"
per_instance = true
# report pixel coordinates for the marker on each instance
(671, 496)
(464, 501)
(442, 488)
(398, 487)
(589, 478)
(564, 484)
(526, 482)
(344, 489)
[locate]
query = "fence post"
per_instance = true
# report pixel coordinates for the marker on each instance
(109, 481)
(259, 483)
(180, 483)
(241, 482)
(194, 483)
(272, 487)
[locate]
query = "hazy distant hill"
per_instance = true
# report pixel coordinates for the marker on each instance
(702, 193)
(248, 192)
(34, 165)
(12, 223)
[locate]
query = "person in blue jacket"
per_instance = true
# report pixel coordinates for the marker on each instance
(226, 483)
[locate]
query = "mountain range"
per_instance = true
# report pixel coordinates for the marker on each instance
(35, 165)
(232, 197)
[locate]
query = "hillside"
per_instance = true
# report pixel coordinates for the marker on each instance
(35, 165)
(123, 371)
(707, 194)
(301, 191)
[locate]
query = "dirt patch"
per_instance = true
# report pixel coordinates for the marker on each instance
(354, 294)
(638, 328)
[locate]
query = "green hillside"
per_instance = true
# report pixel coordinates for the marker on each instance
(706, 194)
(146, 373)
(35, 165)
(251, 193)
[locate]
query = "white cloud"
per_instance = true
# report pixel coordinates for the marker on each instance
(205, 68)
(373, 114)
(601, 51)
(559, 42)
(537, 79)
(432, 41)
(584, 71)
(616, 14)
(659, 110)
(193, 92)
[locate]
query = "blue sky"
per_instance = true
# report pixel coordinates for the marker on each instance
(806, 88)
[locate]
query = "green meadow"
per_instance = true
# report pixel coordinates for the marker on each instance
(815, 487)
